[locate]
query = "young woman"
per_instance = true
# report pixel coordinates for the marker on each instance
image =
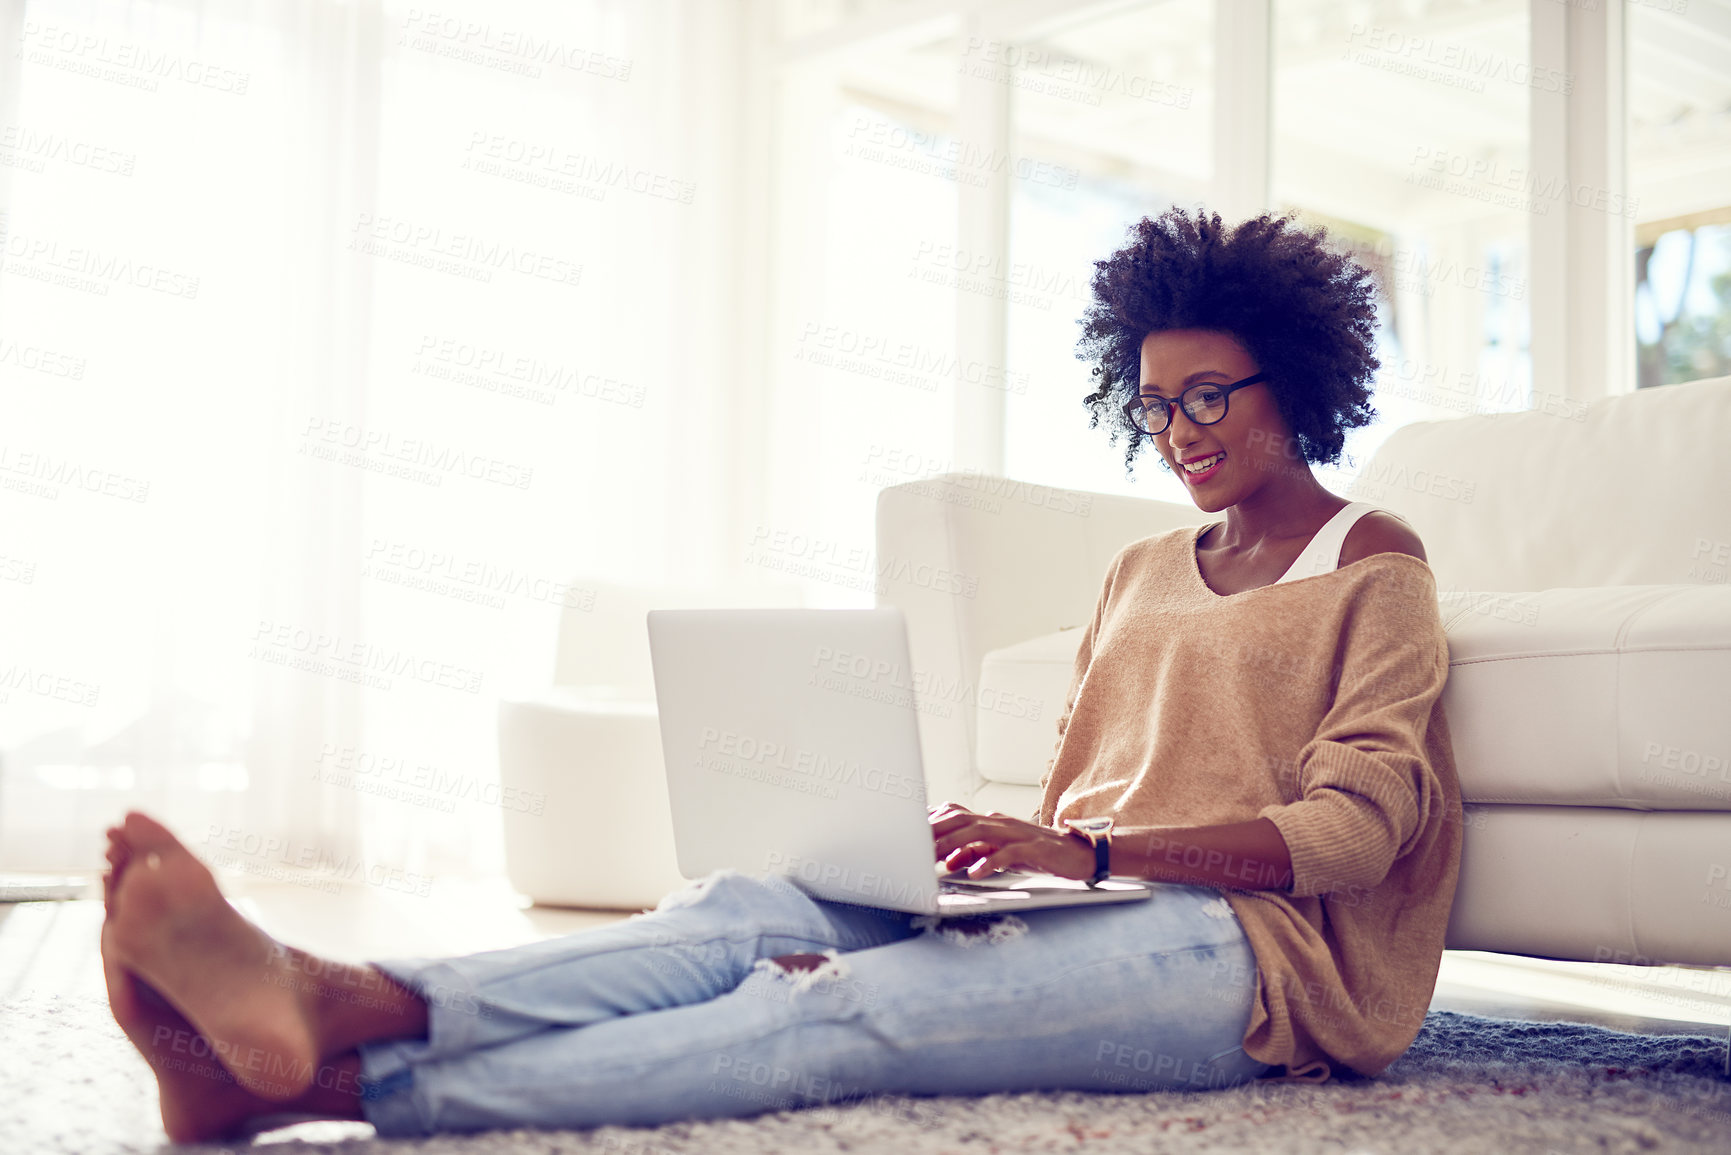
(1255, 706)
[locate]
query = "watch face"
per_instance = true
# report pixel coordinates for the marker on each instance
(1091, 825)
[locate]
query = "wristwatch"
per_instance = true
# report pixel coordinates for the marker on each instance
(1098, 832)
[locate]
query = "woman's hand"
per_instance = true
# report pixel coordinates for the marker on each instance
(982, 843)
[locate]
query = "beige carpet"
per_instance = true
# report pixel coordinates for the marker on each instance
(73, 1085)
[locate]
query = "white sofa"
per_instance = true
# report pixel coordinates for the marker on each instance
(1581, 562)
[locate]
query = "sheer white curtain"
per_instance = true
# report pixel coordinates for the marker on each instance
(329, 57)
(341, 345)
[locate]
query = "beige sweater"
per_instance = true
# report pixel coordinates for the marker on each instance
(1314, 703)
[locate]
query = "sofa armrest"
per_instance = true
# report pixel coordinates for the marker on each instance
(976, 562)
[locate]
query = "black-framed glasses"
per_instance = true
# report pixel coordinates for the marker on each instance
(1204, 403)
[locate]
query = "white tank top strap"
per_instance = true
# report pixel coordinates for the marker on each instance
(1323, 552)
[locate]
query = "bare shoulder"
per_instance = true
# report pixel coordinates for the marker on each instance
(1380, 532)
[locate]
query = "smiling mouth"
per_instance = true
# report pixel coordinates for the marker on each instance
(1202, 465)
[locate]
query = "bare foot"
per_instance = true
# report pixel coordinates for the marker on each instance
(170, 926)
(119, 854)
(200, 1099)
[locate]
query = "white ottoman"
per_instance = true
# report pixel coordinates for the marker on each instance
(585, 799)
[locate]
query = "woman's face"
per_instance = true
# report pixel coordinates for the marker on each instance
(1253, 437)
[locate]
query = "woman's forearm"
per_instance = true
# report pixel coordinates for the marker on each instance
(1241, 855)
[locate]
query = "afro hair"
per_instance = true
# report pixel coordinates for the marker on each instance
(1305, 314)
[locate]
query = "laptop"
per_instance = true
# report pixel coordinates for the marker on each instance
(17, 886)
(44, 888)
(792, 747)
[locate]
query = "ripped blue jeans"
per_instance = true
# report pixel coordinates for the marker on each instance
(681, 1012)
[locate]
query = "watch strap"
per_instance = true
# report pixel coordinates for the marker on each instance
(1102, 856)
(1098, 832)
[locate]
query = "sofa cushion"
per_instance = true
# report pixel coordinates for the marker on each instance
(1561, 495)
(1595, 884)
(1617, 696)
(1613, 696)
(1021, 695)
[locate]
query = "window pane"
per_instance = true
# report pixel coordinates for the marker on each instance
(862, 361)
(1405, 130)
(1116, 108)
(1680, 183)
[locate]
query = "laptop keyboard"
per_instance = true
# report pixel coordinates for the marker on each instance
(1007, 880)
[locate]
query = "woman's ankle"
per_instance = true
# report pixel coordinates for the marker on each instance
(335, 1092)
(354, 1004)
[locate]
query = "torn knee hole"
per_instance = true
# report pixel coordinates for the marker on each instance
(805, 970)
(971, 930)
